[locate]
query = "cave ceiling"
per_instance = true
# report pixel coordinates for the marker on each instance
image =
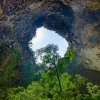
(78, 21)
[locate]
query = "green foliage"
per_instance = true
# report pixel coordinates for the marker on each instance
(65, 81)
(14, 91)
(50, 48)
(3, 92)
(70, 54)
(66, 60)
(46, 84)
(94, 91)
(30, 74)
(48, 55)
(62, 63)
(79, 81)
(48, 89)
(10, 58)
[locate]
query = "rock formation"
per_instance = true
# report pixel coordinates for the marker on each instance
(78, 21)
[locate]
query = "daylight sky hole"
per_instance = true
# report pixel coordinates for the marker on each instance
(44, 37)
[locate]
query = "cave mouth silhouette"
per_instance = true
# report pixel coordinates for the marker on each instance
(53, 15)
(58, 19)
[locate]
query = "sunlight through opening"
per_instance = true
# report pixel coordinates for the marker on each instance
(44, 37)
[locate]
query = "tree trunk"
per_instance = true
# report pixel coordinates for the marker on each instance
(58, 78)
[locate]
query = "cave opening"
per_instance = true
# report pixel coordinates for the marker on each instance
(44, 37)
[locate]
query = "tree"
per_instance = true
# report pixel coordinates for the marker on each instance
(66, 60)
(49, 56)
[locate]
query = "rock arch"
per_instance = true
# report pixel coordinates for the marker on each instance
(78, 22)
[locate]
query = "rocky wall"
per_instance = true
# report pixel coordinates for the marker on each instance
(78, 21)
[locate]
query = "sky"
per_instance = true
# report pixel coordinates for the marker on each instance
(44, 37)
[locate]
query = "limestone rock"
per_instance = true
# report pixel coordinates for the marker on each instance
(76, 20)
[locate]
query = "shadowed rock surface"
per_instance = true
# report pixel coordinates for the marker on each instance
(78, 21)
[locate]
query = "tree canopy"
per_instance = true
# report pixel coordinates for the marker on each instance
(49, 55)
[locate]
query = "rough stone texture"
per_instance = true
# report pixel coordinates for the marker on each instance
(76, 20)
(87, 34)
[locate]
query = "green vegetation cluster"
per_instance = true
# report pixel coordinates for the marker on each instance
(48, 89)
(8, 60)
(51, 81)
(30, 73)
